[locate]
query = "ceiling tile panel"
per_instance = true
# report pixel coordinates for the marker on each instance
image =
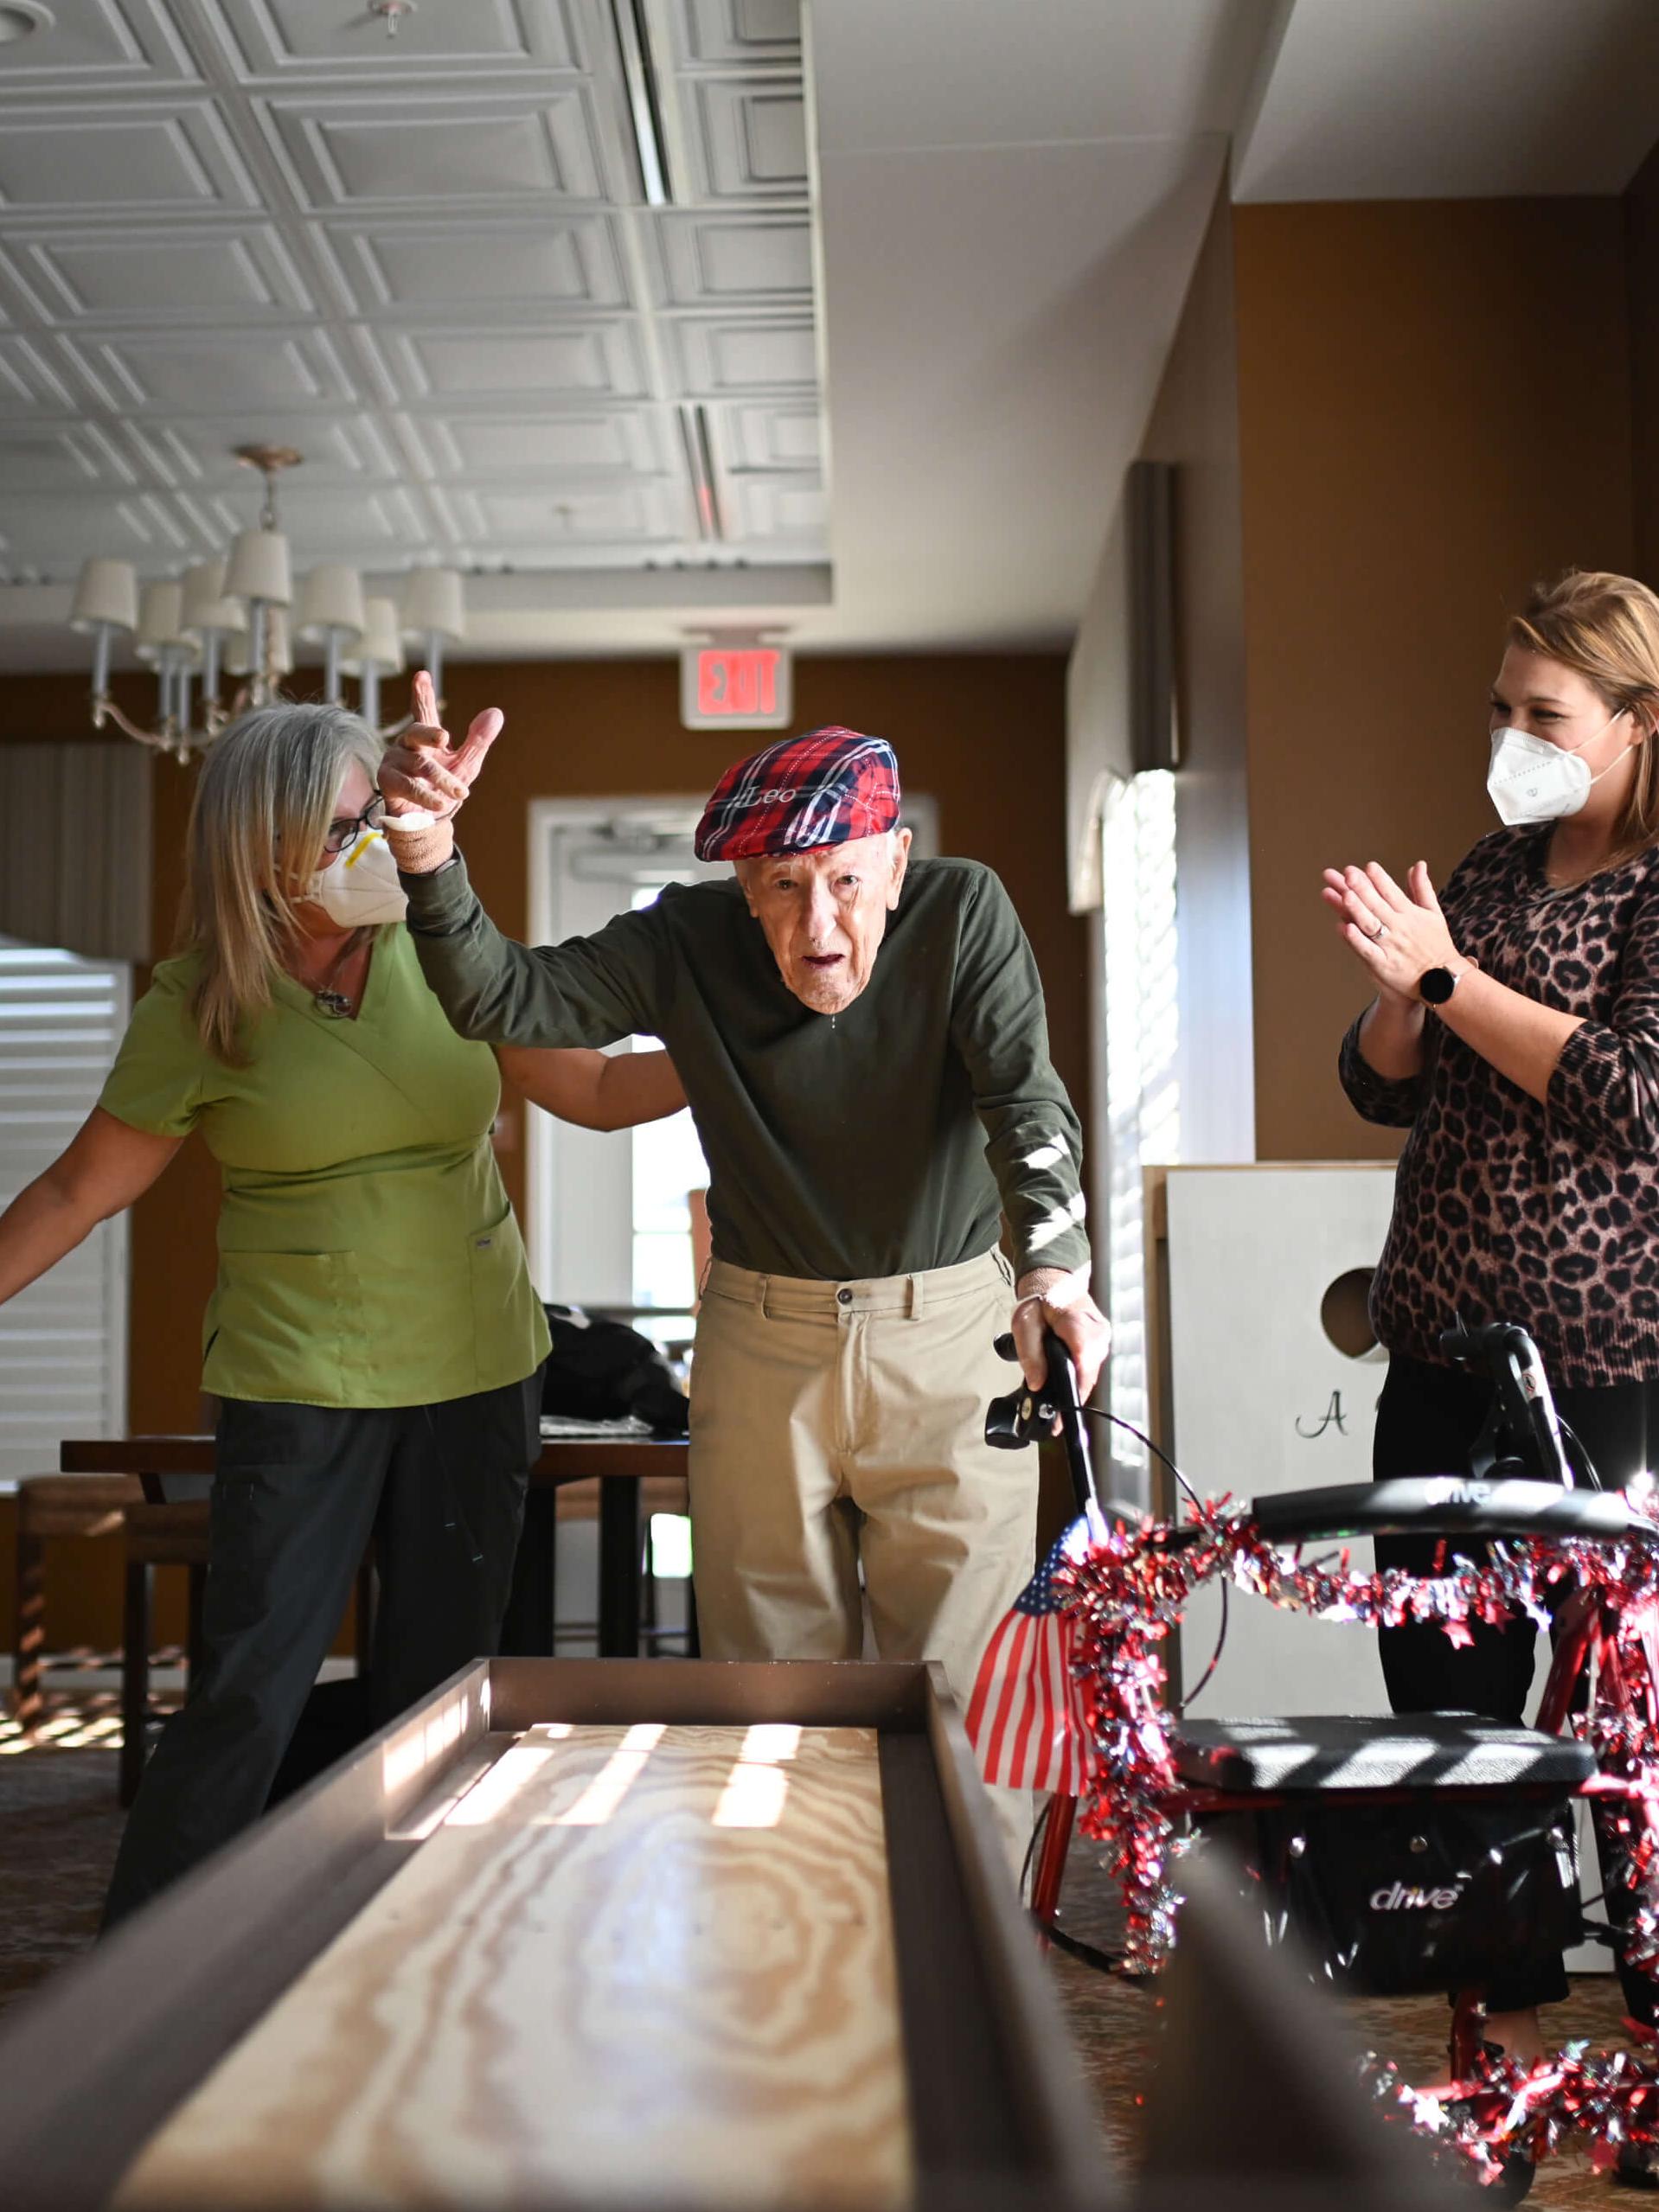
(770, 437)
(49, 537)
(29, 381)
(217, 370)
(621, 440)
(512, 518)
(384, 524)
(286, 38)
(560, 261)
(57, 457)
(748, 33)
(749, 140)
(776, 508)
(202, 449)
(716, 359)
(743, 259)
(402, 152)
(120, 159)
(83, 45)
(423, 261)
(598, 360)
(139, 276)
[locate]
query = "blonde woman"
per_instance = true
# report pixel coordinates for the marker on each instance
(373, 1337)
(1515, 1033)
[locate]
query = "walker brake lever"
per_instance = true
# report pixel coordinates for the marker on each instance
(1024, 1415)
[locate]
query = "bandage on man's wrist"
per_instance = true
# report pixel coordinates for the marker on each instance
(1065, 1291)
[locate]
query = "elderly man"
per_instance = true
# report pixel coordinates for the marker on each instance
(863, 1044)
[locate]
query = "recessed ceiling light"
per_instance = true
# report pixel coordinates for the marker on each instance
(19, 18)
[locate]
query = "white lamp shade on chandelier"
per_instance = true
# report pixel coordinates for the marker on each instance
(434, 612)
(259, 568)
(434, 605)
(380, 646)
(331, 598)
(208, 605)
(379, 653)
(161, 623)
(108, 592)
(239, 616)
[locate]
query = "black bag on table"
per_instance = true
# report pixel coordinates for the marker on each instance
(604, 1370)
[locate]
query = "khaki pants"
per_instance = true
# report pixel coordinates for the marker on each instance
(839, 1422)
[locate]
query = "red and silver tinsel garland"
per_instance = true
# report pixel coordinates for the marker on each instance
(1123, 1598)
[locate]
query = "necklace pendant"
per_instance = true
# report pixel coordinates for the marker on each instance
(334, 1003)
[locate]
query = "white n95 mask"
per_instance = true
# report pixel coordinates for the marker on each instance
(362, 887)
(1531, 780)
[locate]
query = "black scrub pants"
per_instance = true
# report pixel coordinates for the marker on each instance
(298, 1492)
(1428, 1418)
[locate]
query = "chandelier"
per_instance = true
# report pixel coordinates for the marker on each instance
(232, 621)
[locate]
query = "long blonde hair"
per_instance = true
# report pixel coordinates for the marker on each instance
(1607, 628)
(267, 790)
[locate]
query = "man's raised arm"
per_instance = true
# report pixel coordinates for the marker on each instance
(590, 991)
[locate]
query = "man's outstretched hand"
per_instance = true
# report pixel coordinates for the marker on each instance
(424, 780)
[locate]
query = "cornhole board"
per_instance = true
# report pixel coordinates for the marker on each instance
(1261, 1397)
(585, 1933)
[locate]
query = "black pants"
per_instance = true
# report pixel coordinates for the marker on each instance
(1428, 1418)
(298, 1492)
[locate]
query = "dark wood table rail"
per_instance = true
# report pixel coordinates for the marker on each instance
(619, 1465)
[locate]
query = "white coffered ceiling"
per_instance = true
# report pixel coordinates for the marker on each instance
(910, 303)
(425, 261)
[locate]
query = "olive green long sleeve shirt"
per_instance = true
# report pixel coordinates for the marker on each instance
(881, 1140)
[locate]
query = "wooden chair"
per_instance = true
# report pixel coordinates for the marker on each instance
(55, 1506)
(658, 1493)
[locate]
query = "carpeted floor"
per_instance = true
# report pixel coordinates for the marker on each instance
(59, 1826)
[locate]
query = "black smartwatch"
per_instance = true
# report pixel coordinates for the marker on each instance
(1435, 985)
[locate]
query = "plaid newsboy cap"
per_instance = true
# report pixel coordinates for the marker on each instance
(820, 789)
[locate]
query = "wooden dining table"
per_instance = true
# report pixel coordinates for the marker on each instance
(620, 1465)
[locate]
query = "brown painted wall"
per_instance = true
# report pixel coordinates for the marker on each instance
(1435, 409)
(1641, 209)
(985, 736)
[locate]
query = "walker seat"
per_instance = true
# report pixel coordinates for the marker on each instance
(1347, 1751)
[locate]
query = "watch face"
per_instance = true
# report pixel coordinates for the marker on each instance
(1435, 985)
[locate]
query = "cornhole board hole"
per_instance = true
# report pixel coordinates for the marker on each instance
(581, 1932)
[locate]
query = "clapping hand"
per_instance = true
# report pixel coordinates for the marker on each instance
(1396, 935)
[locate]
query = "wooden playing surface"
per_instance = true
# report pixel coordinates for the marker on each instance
(630, 1963)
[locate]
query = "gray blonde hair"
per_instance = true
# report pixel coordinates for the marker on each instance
(267, 790)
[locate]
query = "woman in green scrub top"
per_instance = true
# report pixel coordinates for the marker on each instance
(373, 1339)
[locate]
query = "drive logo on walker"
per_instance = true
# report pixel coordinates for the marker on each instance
(1401, 1898)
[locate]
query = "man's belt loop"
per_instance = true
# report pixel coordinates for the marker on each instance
(763, 1284)
(918, 1297)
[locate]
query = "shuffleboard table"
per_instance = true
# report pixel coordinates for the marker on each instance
(580, 1933)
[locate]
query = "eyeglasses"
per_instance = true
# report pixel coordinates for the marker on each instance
(345, 832)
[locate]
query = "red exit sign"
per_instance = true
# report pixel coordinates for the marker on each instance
(734, 687)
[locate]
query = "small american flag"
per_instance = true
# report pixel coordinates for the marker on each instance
(1025, 1718)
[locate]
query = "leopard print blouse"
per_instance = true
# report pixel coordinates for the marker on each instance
(1506, 1209)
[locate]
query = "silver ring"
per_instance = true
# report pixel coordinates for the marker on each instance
(1381, 930)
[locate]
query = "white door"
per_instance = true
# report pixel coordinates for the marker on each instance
(610, 1223)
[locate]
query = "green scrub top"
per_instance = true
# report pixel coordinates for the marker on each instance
(368, 1255)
